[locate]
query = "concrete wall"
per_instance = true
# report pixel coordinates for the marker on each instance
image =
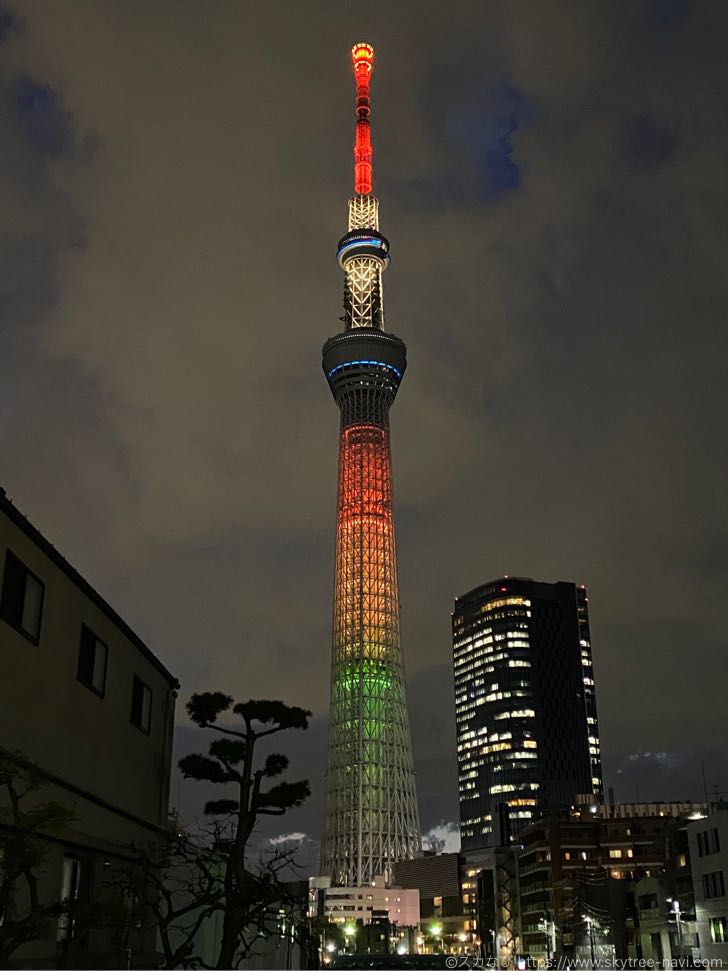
(708, 863)
(93, 760)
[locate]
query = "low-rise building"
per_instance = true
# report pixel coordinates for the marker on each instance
(578, 872)
(491, 882)
(342, 905)
(666, 904)
(375, 918)
(87, 703)
(447, 918)
(708, 841)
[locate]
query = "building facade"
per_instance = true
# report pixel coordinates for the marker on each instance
(371, 806)
(490, 886)
(84, 701)
(345, 905)
(582, 874)
(447, 911)
(526, 719)
(708, 842)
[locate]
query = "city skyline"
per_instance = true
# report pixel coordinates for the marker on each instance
(172, 275)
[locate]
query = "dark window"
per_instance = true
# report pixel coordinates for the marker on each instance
(708, 842)
(21, 603)
(92, 658)
(713, 884)
(718, 930)
(141, 705)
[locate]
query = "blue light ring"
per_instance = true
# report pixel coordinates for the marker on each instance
(379, 246)
(352, 364)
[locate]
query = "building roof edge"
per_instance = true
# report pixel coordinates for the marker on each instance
(34, 534)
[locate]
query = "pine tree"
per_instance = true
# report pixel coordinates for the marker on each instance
(231, 761)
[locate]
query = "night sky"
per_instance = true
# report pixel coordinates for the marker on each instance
(553, 179)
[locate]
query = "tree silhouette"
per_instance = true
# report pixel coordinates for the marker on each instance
(230, 762)
(23, 838)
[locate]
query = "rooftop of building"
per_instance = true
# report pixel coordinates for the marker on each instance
(514, 584)
(36, 537)
(616, 813)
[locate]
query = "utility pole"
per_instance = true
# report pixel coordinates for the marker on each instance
(590, 925)
(678, 923)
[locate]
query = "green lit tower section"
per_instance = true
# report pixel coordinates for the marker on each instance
(371, 805)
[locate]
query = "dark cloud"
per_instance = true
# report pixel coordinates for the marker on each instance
(668, 775)
(41, 117)
(650, 143)
(667, 13)
(8, 24)
(563, 411)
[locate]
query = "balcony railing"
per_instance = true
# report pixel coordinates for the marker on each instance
(533, 867)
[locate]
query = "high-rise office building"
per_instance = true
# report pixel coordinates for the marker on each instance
(527, 732)
(371, 806)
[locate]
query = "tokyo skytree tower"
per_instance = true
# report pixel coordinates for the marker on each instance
(371, 805)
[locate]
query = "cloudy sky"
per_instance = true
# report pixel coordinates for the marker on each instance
(552, 176)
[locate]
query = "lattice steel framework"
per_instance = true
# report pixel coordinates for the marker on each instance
(371, 808)
(363, 291)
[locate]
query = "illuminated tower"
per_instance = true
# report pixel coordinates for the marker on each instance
(371, 806)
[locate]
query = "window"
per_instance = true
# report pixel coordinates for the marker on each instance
(92, 657)
(708, 842)
(141, 705)
(713, 884)
(718, 930)
(648, 901)
(21, 603)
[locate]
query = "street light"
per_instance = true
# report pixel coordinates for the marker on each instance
(350, 935)
(436, 931)
(676, 911)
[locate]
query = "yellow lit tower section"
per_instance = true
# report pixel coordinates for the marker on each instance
(371, 805)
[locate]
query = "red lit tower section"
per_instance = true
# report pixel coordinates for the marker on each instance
(371, 805)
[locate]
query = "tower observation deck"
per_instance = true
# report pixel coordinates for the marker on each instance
(371, 805)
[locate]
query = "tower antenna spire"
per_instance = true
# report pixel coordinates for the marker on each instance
(362, 56)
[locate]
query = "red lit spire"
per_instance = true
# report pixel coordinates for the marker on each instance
(363, 57)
